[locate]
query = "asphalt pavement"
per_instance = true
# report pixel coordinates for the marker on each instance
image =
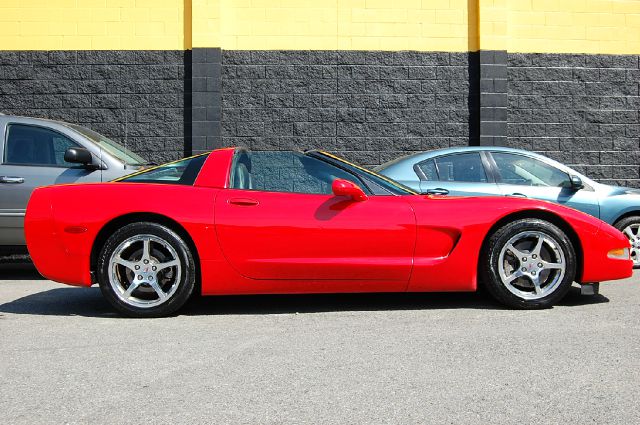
(66, 357)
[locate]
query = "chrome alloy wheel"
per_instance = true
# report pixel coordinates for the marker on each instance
(531, 265)
(144, 271)
(632, 232)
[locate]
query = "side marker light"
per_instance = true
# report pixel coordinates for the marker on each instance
(619, 253)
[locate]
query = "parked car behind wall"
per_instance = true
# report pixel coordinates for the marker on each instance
(497, 171)
(38, 152)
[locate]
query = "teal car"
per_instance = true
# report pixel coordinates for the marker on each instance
(498, 171)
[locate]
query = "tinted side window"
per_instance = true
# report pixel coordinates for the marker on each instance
(463, 167)
(33, 145)
(285, 172)
(428, 169)
(526, 171)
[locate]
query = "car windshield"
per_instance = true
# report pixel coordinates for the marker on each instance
(113, 148)
(183, 171)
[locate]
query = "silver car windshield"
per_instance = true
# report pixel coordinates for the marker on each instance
(113, 148)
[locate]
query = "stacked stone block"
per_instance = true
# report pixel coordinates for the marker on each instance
(582, 110)
(133, 97)
(368, 106)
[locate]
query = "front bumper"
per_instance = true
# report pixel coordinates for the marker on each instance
(598, 264)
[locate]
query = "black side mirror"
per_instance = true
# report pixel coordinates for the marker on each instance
(78, 156)
(575, 183)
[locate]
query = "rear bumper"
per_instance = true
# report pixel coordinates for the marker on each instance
(49, 254)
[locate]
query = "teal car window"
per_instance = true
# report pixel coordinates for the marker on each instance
(428, 169)
(463, 167)
(526, 171)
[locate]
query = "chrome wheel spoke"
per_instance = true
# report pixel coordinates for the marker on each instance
(538, 247)
(536, 283)
(635, 256)
(634, 240)
(162, 266)
(515, 251)
(512, 277)
(146, 249)
(128, 264)
(629, 232)
(132, 287)
(161, 294)
(546, 265)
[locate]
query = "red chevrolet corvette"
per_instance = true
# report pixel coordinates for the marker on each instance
(240, 222)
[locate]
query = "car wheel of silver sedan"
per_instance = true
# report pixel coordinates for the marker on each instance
(529, 264)
(630, 226)
(146, 270)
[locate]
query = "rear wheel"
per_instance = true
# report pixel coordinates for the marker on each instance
(630, 226)
(528, 264)
(146, 270)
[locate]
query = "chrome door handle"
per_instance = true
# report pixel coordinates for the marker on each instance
(518, 195)
(11, 179)
(244, 202)
(437, 191)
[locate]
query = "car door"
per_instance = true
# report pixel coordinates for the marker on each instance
(32, 156)
(462, 174)
(525, 176)
(281, 221)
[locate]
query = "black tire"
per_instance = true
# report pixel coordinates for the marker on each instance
(522, 293)
(635, 249)
(161, 244)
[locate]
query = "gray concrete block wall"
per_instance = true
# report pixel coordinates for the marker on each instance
(204, 92)
(133, 97)
(582, 110)
(369, 107)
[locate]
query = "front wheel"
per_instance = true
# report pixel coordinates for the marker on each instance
(146, 270)
(630, 226)
(528, 264)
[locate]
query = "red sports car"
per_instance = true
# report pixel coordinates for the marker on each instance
(240, 222)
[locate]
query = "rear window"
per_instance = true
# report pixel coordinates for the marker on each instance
(184, 171)
(461, 167)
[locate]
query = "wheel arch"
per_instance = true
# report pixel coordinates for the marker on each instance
(542, 215)
(121, 221)
(624, 215)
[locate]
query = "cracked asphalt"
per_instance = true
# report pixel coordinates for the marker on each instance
(66, 357)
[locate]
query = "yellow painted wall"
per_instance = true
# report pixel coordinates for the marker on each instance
(563, 26)
(574, 26)
(492, 24)
(205, 23)
(91, 24)
(235, 24)
(429, 25)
